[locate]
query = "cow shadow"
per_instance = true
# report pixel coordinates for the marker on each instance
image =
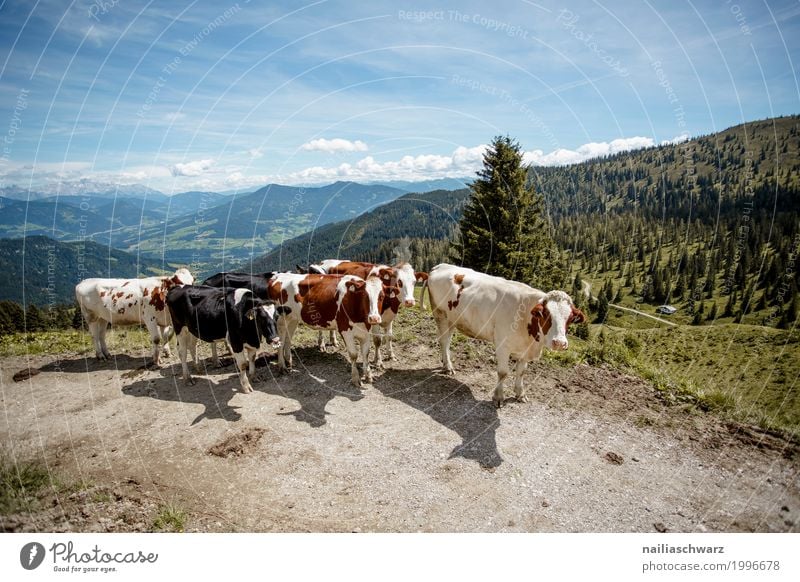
(89, 363)
(315, 381)
(451, 404)
(214, 396)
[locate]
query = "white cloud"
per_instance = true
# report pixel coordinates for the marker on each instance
(462, 162)
(562, 157)
(677, 139)
(209, 174)
(334, 145)
(196, 168)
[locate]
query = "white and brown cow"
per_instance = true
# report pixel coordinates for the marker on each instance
(347, 304)
(129, 302)
(401, 276)
(518, 319)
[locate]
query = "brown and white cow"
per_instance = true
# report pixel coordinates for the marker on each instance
(401, 276)
(129, 302)
(518, 319)
(347, 304)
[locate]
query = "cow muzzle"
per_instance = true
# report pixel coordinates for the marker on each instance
(559, 345)
(276, 342)
(409, 302)
(374, 319)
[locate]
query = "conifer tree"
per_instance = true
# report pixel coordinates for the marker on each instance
(503, 230)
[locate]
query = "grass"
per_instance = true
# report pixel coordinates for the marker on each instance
(70, 341)
(170, 518)
(743, 372)
(21, 485)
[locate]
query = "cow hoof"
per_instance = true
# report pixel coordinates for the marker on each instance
(450, 371)
(190, 381)
(522, 398)
(498, 402)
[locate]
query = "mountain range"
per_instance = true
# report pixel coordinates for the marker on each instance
(613, 218)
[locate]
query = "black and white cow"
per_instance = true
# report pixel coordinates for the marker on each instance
(235, 315)
(257, 283)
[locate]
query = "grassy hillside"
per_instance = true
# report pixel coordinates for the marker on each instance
(709, 226)
(48, 270)
(424, 218)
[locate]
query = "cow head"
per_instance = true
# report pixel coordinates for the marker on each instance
(266, 314)
(405, 277)
(370, 295)
(182, 277)
(391, 299)
(551, 317)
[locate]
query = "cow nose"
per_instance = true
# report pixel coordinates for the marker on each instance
(374, 319)
(410, 302)
(559, 345)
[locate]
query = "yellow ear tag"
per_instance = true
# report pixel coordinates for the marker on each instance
(250, 315)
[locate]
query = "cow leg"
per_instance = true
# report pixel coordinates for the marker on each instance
(321, 341)
(184, 342)
(446, 332)
(501, 354)
(251, 359)
(102, 330)
(519, 389)
(155, 337)
(166, 334)
(214, 357)
(94, 330)
(193, 349)
(390, 340)
(286, 332)
(364, 343)
(334, 341)
(377, 361)
(352, 353)
(241, 367)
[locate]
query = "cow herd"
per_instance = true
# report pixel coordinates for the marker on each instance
(358, 301)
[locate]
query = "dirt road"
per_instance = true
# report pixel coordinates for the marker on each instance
(593, 449)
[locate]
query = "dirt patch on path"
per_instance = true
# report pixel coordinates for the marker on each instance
(415, 451)
(237, 444)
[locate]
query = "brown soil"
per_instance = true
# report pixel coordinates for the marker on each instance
(593, 449)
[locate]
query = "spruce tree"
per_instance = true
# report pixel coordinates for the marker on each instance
(503, 230)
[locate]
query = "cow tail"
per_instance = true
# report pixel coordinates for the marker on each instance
(422, 295)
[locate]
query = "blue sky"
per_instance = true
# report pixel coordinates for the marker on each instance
(225, 95)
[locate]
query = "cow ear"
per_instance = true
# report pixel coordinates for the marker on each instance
(421, 277)
(577, 316)
(283, 309)
(538, 310)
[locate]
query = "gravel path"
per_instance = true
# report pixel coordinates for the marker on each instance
(592, 450)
